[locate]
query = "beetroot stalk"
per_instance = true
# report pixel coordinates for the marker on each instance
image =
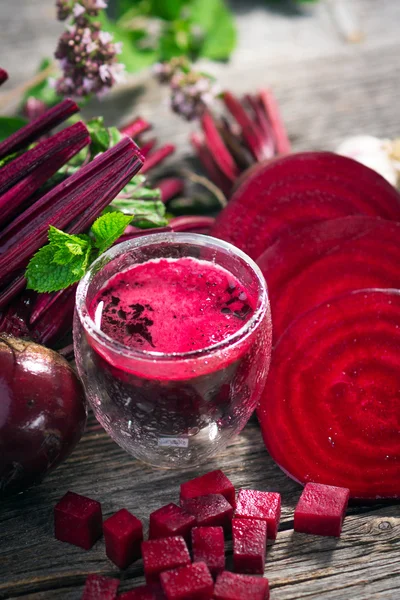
(218, 149)
(28, 162)
(250, 133)
(146, 148)
(271, 108)
(3, 76)
(67, 352)
(156, 157)
(63, 150)
(210, 166)
(170, 187)
(135, 128)
(12, 290)
(35, 129)
(56, 321)
(195, 223)
(98, 182)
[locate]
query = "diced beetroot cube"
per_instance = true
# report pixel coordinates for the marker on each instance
(214, 482)
(265, 506)
(97, 587)
(123, 535)
(162, 555)
(232, 586)
(208, 546)
(188, 583)
(171, 520)
(213, 510)
(144, 592)
(78, 520)
(249, 545)
(321, 509)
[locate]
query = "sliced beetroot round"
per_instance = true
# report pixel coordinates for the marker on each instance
(298, 189)
(330, 412)
(318, 262)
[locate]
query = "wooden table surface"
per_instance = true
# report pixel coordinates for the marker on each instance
(328, 87)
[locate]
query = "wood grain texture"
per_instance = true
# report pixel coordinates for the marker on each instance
(327, 89)
(363, 564)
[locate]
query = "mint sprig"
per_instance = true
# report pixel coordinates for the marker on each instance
(66, 258)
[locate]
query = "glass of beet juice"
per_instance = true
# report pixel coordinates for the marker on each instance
(172, 342)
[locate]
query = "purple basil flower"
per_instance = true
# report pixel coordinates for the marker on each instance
(87, 55)
(191, 92)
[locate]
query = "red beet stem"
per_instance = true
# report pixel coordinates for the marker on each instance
(15, 320)
(43, 302)
(35, 129)
(12, 290)
(57, 320)
(68, 143)
(270, 105)
(210, 165)
(250, 133)
(22, 166)
(3, 76)
(170, 187)
(217, 148)
(135, 128)
(67, 352)
(146, 148)
(156, 157)
(95, 184)
(191, 223)
(262, 123)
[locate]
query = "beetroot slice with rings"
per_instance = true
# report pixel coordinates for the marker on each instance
(316, 263)
(291, 191)
(330, 412)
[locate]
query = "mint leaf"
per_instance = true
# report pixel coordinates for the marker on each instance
(145, 213)
(217, 21)
(133, 57)
(167, 9)
(100, 138)
(44, 275)
(108, 228)
(9, 125)
(115, 136)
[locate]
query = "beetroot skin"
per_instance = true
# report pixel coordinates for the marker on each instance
(321, 509)
(171, 520)
(97, 587)
(78, 520)
(162, 555)
(319, 262)
(42, 412)
(214, 482)
(123, 535)
(212, 510)
(208, 546)
(249, 545)
(330, 412)
(232, 586)
(193, 582)
(265, 506)
(290, 191)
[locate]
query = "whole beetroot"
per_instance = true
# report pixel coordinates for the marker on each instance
(42, 412)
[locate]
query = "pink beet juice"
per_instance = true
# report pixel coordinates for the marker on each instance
(173, 342)
(172, 305)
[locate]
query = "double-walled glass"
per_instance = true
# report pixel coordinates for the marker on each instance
(174, 409)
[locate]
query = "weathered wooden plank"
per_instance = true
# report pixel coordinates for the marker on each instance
(34, 565)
